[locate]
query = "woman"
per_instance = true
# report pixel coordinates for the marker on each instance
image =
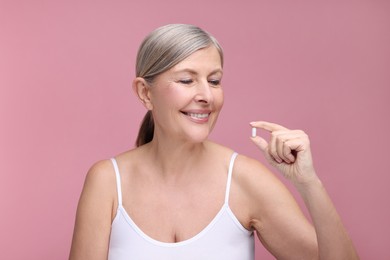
(179, 196)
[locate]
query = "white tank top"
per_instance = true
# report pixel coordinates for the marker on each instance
(223, 238)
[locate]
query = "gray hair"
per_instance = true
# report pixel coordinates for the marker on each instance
(168, 45)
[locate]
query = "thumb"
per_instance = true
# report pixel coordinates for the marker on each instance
(260, 142)
(263, 145)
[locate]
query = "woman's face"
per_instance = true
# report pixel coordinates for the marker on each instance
(188, 98)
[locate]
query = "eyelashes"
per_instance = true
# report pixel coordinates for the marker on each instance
(213, 82)
(186, 81)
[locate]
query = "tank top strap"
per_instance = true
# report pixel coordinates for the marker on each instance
(229, 179)
(118, 181)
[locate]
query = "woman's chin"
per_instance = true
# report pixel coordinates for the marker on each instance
(198, 137)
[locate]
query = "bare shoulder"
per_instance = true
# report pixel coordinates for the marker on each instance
(251, 172)
(258, 188)
(95, 209)
(100, 185)
(101, 174)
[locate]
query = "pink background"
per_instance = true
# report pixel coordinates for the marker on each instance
(65, 101)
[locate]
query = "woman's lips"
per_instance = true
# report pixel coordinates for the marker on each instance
(198, 117)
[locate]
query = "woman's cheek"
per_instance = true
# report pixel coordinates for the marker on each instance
(220, 99)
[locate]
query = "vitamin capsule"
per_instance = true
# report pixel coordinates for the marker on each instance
(254, 131)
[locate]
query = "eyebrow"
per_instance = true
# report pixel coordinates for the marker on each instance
(191, 71)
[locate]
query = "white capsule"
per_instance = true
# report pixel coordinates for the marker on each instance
(254, 131)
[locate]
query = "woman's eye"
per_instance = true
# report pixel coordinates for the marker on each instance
(215, 82)
(186, 81)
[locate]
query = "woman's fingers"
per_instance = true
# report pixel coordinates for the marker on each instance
(289, 143)
(274, 146)
(284, 150)
(284, 144)
(287, 150)
(263, 145)
(270, 127)
(260, 142)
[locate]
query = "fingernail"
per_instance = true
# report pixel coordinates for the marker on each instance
(278, 160)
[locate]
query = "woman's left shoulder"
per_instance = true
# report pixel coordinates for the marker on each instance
(243, 165)
(247, 167)
(254, 176)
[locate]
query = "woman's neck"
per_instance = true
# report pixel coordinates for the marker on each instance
(175, 159)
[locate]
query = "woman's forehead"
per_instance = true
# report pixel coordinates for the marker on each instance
(207, 58)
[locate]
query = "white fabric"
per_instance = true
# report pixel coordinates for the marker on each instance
(224, 238)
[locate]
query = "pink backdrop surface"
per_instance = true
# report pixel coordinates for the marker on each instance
(66, 101)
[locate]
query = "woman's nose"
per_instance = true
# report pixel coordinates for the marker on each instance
(204, 93)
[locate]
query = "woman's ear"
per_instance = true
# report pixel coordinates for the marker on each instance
(142, 90)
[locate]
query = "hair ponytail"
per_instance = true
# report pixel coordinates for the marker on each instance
(146, 131)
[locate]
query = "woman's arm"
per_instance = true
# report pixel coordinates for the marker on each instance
(262, 202)
(94, 214)
(289, 152)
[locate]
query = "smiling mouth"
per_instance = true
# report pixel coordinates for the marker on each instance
(197, 115)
